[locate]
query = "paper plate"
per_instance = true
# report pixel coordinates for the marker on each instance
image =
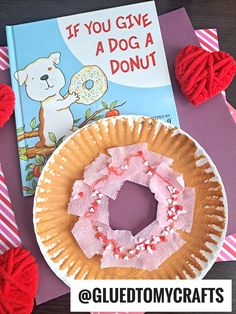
(53, 225)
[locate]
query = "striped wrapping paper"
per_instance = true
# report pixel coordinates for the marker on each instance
(4, 60)
(9, 235)
(228, 251)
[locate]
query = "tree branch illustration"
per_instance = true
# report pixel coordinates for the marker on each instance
(31, 152)
(45, 151)
(91, 117)
(30, 134)
(35, 133)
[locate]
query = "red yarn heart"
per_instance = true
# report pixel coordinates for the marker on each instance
(202, 74)
(18, 281)
(7, 102)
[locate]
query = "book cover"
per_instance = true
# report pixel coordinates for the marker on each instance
(67, 72)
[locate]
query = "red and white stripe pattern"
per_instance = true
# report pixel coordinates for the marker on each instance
(228, 251)
(9, 234)
(208, 40)
(4, 59)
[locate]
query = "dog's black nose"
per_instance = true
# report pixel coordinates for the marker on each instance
(44, 77)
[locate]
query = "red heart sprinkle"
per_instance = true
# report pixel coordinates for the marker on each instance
(94, 205)
(163, 238)
(179, 207)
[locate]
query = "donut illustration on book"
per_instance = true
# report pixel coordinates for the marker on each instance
(43, 81)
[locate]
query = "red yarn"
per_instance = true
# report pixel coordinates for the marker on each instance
(18, 281)
(202, 74)
(7, 102)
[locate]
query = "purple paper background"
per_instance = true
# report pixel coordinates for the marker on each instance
(210, 124)
(135, 214)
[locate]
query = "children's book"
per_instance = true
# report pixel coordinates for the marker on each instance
(67, 72)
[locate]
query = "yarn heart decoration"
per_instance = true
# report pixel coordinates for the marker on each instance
(202, 74)
(7, 102)
(18, 281)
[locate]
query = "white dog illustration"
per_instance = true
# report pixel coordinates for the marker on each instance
(43, 82)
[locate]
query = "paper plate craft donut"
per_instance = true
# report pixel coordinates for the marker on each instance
(71, 207)
(102, 181)
(89, 83)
